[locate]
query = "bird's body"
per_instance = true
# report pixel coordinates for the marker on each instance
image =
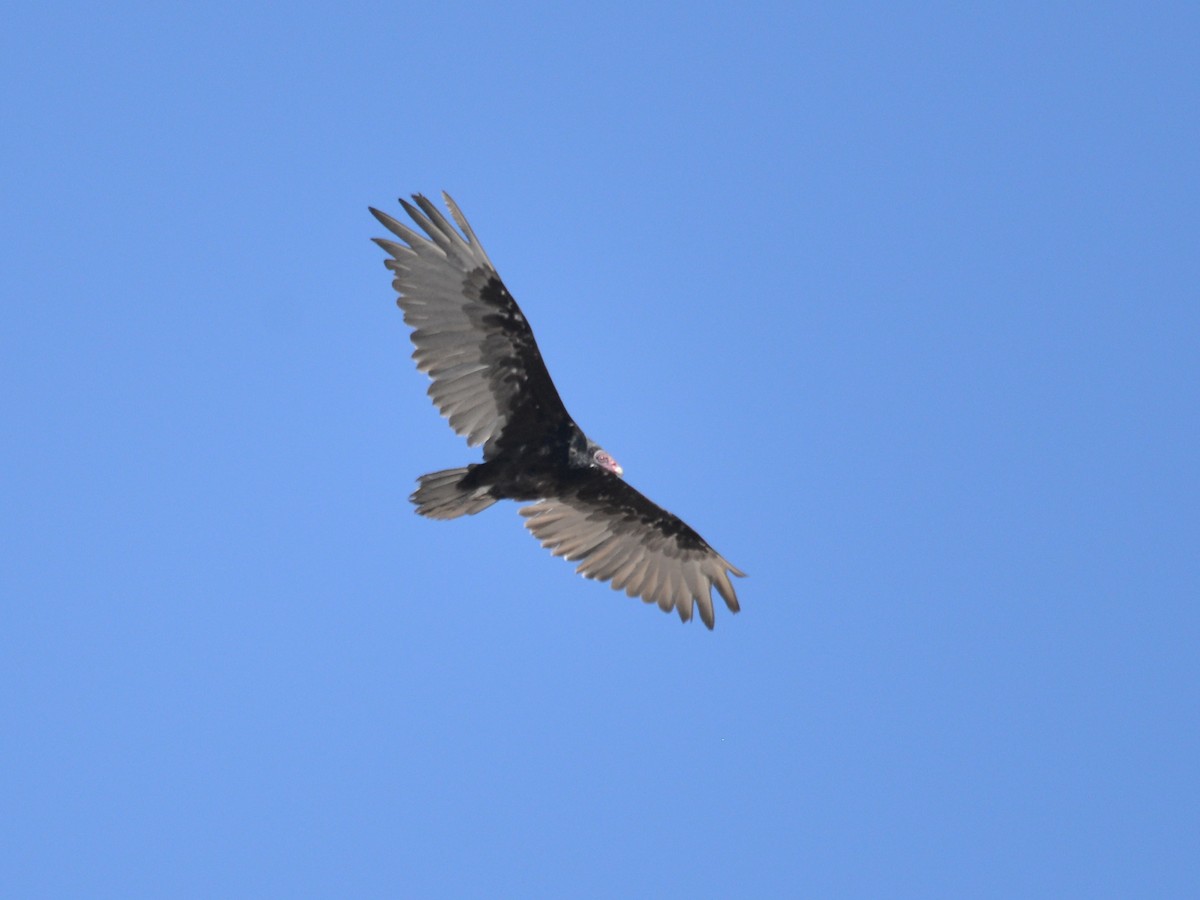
(490, 381)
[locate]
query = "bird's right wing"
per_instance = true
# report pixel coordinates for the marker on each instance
(617, 534)
(470, 336)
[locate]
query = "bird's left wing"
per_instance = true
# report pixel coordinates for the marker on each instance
(617, 534)
(470, 336)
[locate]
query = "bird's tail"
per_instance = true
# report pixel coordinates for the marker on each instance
(442, 495)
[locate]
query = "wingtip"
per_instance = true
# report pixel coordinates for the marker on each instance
(686, 610)
(408, 207)
(725, 588)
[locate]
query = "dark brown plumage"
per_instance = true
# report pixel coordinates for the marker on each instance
(489, 380)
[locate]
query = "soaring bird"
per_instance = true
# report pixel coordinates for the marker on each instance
(489, 381)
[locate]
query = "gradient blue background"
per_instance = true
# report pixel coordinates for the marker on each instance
(896, 304)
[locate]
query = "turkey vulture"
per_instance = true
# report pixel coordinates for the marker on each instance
(490, 381)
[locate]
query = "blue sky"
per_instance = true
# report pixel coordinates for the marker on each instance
(895, 303)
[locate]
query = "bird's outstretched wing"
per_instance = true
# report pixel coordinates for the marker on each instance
(488, 376)
(617, 534)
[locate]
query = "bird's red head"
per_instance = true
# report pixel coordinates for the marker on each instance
(604, 460)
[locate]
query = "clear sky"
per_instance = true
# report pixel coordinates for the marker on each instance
(896, 304)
